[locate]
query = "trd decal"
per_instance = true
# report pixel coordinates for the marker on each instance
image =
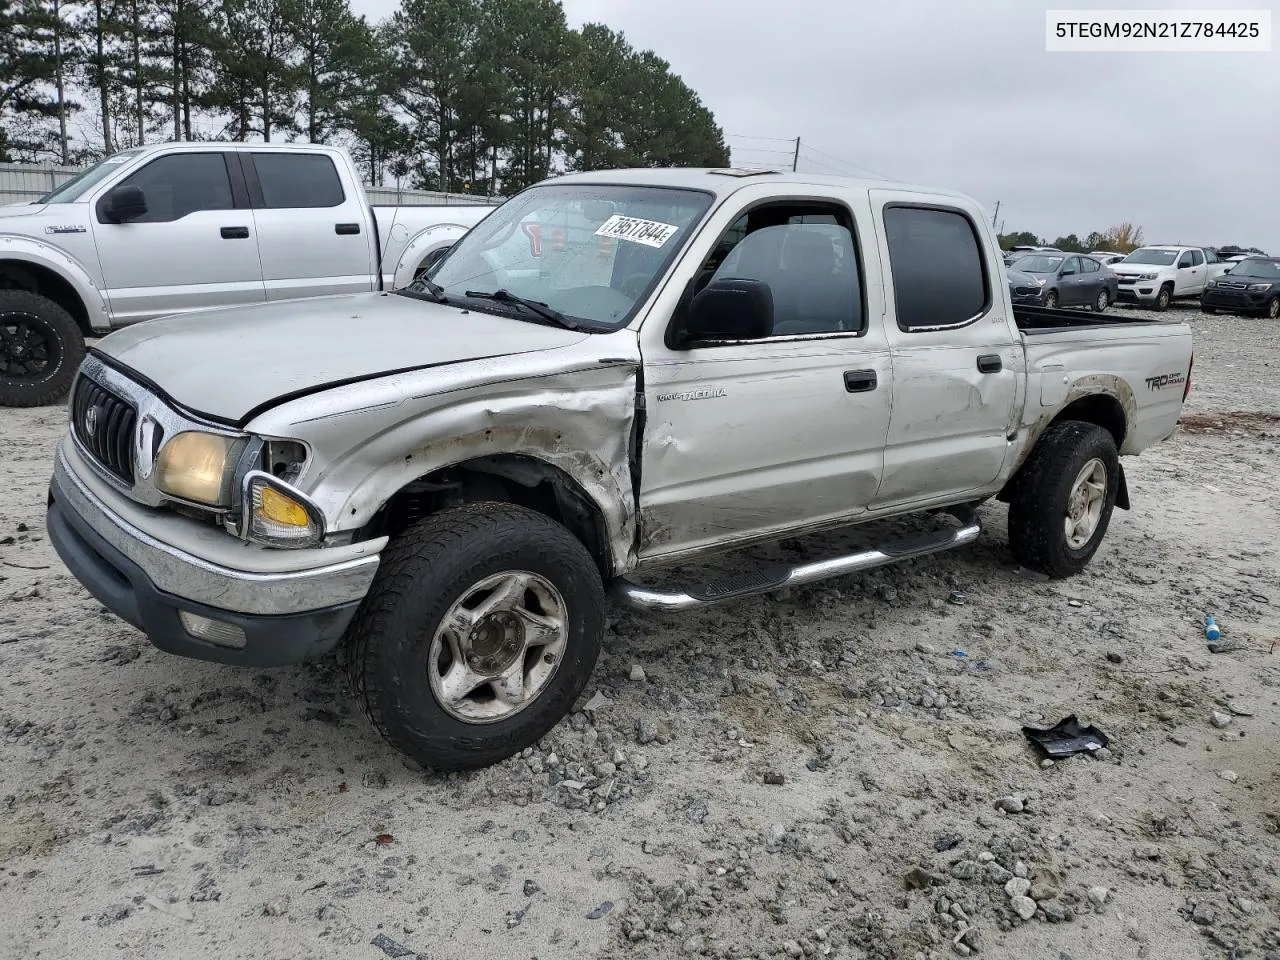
(1166, 380)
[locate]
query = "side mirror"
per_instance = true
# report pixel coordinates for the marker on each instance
(1067, 272)
(729, 309)
(125, 204)
(1183, 266)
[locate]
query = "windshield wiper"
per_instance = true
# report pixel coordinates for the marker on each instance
(502, 295)
(422, 285)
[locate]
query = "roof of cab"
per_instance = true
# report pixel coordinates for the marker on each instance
(723, 181)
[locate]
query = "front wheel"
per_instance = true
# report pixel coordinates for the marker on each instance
(1209, 310)
(41, 348)
(1063, 497)
(480, 631)
(1163, 299)
(1272, 310)
(1051, 300)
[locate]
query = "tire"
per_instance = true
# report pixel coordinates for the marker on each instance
(1051, 300)
(1208, 310)
(1102, 301)
(1041, 497)
(1163, 299)
(1272, 310)
(398, 651)
(41, 349)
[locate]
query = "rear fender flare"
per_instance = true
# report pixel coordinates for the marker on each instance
(426, 241)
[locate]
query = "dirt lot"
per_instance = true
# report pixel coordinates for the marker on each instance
(823, 774)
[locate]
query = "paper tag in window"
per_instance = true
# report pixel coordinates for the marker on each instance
(649, 232)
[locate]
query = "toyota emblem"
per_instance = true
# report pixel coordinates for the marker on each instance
(91, 420)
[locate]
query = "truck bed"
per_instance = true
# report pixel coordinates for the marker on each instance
(1033, 320)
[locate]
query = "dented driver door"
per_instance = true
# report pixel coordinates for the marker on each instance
(745, 439)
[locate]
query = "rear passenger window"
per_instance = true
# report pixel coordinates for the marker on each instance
(809, 260)
(1089, 265)
(939, 276)
(293, 180)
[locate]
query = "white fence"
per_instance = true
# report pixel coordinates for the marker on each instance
(23, 182)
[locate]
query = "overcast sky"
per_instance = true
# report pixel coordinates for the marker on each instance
(962, 94)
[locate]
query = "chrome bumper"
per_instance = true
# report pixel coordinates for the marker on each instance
(188, 576)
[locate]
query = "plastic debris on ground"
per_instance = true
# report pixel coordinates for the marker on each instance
(390, 947)
(1067, 738)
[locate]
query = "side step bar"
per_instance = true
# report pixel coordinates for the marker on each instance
(736, 586)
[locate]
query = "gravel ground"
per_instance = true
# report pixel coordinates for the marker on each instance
(838, 772)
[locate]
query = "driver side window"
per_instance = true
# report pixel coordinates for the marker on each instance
(183, 183)
(1185, 259)
(807, 256)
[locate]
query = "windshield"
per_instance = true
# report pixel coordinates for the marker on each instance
(1157, 258)
(591, 252)
(75, 188)
(1038, 264)
(1262, 269)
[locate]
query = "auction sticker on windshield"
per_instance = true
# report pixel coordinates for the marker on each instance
(651, 233)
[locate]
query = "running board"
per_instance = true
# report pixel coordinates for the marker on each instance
(736, 586)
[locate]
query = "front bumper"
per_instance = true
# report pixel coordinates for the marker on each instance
(1143, 291)
(286, 616)
(1234, 299)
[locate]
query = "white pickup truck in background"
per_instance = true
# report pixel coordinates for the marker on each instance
(1156, 276)
(178, 227)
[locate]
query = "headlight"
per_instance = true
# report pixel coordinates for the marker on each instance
(1040, 282)
(198, 467)
(1147, 276)
(1259, 287)
(277, 515)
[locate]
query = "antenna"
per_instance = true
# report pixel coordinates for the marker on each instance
(391, 230)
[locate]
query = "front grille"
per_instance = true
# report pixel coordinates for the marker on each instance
(110, 441)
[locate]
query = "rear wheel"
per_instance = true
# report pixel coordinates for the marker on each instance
(41, 348)
(1164, 298)
(1102, 301)
(1051, 300)
(479, 633)
(1062, 500)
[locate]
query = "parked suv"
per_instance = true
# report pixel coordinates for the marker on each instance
(1251, 286)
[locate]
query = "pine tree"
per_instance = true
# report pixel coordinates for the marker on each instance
(337, 63)
(27, 75)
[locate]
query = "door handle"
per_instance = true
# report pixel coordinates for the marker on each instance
(860, 381)
(990, 363)
(346, 229)
(235, 233)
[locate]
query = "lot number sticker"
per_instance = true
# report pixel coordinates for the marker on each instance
(649, 232)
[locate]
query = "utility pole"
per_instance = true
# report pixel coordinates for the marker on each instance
(795, 160)
(996, 214)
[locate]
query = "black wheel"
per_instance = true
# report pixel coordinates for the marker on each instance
(1272, 310)
(1204, 309)
(480, 631)
(1051, 300)
(41, 348)
(1062, 499)
(1102, 301)
(1164, 298)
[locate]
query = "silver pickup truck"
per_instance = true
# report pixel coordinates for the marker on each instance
(612, 372)
(178, 227)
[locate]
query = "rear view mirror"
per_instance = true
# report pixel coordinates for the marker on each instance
(125, 203)
(730, 309)
(597, 211)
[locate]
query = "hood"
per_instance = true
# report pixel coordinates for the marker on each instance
(1020, 279)
(1133, 269)
(11, 211)
(231, 363)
